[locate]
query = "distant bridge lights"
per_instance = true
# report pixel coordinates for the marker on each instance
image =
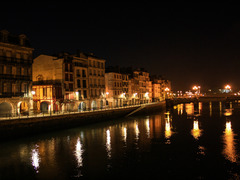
(196, 89)
(227, 87)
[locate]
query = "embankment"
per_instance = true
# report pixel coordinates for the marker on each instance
(14, 128)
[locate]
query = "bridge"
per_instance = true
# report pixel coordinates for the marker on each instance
(205, 98)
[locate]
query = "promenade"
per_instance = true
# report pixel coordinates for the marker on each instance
(14, 127)
(63, 113)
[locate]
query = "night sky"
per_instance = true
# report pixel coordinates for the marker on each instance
(193, 43)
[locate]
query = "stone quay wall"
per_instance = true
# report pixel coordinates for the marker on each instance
(14, 128)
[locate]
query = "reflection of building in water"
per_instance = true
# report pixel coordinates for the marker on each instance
(124, 134)
(168, 131)
(137, 130)
(189, 108)
(147, 128)
(156, 127)
(79, 153)
(220, 108)
(228, 111)
(35, 158)
(196, 132)
(210, 109)
(108, 143)
(200, 107)
(180, 109)
(229, 150)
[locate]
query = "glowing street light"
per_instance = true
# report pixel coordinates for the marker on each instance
(195, 88)
(167, 89)
(227, 87)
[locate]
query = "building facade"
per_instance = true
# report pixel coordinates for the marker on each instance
(114, 89)
(16, 74)
(78, 82)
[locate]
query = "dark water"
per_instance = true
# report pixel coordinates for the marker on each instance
(191, 141)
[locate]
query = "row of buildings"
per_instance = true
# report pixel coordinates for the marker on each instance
(68, 82)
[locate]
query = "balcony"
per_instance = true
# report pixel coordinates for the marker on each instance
(11, 94)
(11, 60)
(15, 77)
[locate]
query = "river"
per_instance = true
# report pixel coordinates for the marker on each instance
(189, 141)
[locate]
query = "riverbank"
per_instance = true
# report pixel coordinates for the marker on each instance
(14, 128)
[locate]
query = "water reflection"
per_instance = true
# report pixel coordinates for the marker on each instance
(124, 134)
(229, 109)
(168, 131)
(200, 108)
(147, 128)
(137, 131)
(79, 153)
(35, 158)
(179, 108)
(210, 109)
(96, 150)
(108, 143)
(196, 132)
(189, 109)
(220, 108)
(229, 150)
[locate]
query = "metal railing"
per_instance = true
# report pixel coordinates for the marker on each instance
(12, 116)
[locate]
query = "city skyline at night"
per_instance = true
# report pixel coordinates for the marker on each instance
(190, 45)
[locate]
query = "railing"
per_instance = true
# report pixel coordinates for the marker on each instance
(16, 77)
(9, 116)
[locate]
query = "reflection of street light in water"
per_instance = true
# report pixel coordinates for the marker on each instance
(108, 143)
(168, 131)
(229, 148)
(79, 152)
(196, 132)
(35, 158)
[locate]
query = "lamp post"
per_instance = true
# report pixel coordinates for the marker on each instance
(228, 88)
(166, 92)
(196, 89)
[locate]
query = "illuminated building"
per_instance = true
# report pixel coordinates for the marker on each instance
(163, 90)
(134, 87)
(114, 87)
(77, 82)
(15, 73)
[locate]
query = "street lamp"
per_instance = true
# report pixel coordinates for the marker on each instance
(197, 89)
(228, 87)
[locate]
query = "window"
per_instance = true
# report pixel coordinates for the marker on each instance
(5, 87)
(25, 71)
(66, 67)
(66, 77)
(19, 71)
(44, 91)
(78, 73)
(1, 69)
(83, 73)
(70, 86)
(79, 95)
(78, 83)
(84, 84)
(85, 93)
(71, 77)
(9, 69)
(14, 88)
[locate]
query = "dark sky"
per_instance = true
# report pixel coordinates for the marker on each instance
(192, 43)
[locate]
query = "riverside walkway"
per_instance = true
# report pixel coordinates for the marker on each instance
(64, 113)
